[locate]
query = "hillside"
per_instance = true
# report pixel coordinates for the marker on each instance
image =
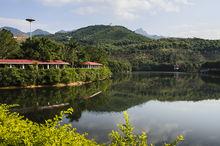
(101, 34)
(144, 53)
(39, 32)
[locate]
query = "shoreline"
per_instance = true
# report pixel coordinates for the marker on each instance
(59, 85)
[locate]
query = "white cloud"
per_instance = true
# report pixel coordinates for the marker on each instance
(125, 9)
(199, 30)
(167, 6)
(130, 9)
(87, 10)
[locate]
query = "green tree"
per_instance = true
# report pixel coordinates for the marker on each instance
(9, 48)
(70, 52)
(42, 49)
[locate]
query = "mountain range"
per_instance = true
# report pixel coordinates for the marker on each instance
(100, 33)
(18, 33)
(141, 31)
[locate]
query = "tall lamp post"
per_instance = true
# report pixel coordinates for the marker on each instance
(30, 20)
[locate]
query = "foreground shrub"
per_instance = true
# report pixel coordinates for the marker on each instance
(126, 136)
(15, 130)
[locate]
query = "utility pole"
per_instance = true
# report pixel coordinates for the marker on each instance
(30, 21)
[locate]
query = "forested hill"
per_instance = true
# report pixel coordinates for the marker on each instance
(143, 53)
(101, 34)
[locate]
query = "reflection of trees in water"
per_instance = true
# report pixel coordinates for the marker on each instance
(214, 80)
(117, 95)
(168, 88)
(31, 101)
(144, 87)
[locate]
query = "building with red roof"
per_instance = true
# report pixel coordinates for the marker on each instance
(21, 63)
(91, 65)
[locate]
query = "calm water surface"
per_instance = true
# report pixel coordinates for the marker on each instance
(162, 104)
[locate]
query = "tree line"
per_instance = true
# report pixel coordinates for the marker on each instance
(125, 53)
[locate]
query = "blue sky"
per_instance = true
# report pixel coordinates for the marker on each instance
(177, 18)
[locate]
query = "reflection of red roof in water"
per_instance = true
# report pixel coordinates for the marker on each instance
(91, 63)
(25, 61)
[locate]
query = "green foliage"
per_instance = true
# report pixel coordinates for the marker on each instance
(52, 76)
(105, 44)
(119, 66)
(128, 138)
(41, 49)
(70, 52)
(34, 76)
(100, 33)
(15, 130)
(9, 48)
(143, 53)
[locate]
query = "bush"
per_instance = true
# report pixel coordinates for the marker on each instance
(117, 66)
(126, 137)
(15, 130)
(33, 76)
(52, 76)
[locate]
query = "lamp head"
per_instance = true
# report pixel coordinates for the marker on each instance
(29, 20)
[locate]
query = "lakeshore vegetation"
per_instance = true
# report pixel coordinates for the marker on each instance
(33, 77)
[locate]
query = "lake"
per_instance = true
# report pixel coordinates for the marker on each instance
(162, 104)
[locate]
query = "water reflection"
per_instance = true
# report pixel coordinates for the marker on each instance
(162, 120)
(163, 104)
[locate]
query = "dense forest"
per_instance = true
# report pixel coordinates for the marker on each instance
(115, 46)
(141, 53)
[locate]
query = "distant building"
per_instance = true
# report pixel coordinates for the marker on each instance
(91, 65)
(23, 63)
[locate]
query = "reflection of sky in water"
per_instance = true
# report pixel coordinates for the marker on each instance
(198, 121)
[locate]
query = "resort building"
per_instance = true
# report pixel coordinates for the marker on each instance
(91, 65)
(23, 63)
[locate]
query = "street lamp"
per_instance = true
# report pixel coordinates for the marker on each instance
(30, 20)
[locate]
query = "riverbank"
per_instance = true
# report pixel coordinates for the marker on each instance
(11, 78)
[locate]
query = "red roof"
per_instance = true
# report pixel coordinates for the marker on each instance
(91, 63)
(25, 61)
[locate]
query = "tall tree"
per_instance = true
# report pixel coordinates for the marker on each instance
(9, 48)
(70, 52)
(42, 49)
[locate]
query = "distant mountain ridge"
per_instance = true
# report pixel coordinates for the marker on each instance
(101, 33)
(120, 30)
(61, 31)
(39, 32)
(141, 31)
(18, 33)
